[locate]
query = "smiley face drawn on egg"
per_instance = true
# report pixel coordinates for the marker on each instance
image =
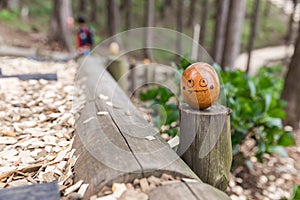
(200, 85)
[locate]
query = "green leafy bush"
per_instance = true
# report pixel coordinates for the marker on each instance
(7, 15)
(165, 112)
(257, 110)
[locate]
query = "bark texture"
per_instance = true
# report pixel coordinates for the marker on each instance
(113, 17)
(233, 33)
(254, 21)
(59, 29)
(220, 29)
(291, 91)
(149, 22)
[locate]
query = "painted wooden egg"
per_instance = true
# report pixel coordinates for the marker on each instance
(200, 85)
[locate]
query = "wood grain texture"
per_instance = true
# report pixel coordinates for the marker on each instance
(190, 191)
(205, 143)
(45, 191)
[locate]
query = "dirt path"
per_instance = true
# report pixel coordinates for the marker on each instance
(261, 57)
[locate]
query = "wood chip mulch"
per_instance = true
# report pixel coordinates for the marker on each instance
(37, 126)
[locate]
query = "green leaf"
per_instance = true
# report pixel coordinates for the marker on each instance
(172, 113)
(252, 88)
(286, 139)
(172, 132)
(270, 122)
(280, 150)
(277, 113)
(268, 99)
(148, 95)
(261, 146)
(164, 94)
(296, 192)
(265, 82)
(184, 62)
(160, 116)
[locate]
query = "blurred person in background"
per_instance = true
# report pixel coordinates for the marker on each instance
(84, 37)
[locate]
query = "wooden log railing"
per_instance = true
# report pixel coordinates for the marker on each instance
(118, 145)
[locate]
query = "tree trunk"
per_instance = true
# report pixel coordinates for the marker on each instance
(289, 34)
(149, 22)
(93, 12)
(168, 3)
(82, 6)
(10, 4)
(291, 91)
(128, 15)
(3, 4)
(122, 5)
(254, 21)
(113, 17)
(13, 4)
(234, 32)
(162, 9)
(267, 9)
(204, 14)
(179, 24)
(59, 31)
(220, 29)
(191, 13)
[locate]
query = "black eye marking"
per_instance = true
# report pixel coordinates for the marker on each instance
(203, 82)
(211, 87)
(190, 83)
(183, 87)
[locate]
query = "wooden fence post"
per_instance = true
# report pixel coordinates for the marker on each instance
(205, 143)
(118, 68)
(132, 77)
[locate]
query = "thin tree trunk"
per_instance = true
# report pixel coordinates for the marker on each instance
(233, 33)
(204, 15)
(122, 5)
(149, 21)
(113, 17)
(289, 34)
(3, 4)
(162, 9)
(93, 12)
(54, 22)
(179, 26)
(82, 6)
(128, 15)
(267, 9)
(220, 29)
(10, 4)
(13, 4)
(59, 31)
(291, 91)
(254, 21)
(191, 13)
(169, 3)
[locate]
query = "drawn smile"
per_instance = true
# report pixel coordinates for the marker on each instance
(190, 91)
